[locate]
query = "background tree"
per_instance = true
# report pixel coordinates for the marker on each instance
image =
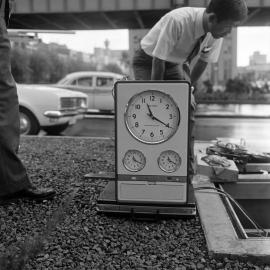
(40, 67)
(208, 86)
(113, 68)
(237, 86)
(20, 65)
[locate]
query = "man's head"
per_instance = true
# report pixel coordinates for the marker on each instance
(223, 15)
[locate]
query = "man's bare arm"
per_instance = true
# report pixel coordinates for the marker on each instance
(158, 69)
(197, 71)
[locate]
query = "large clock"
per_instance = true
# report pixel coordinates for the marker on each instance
(152, 116)
(151, 132)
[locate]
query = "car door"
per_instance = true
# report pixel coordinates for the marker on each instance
(103, 93)
(85, 85)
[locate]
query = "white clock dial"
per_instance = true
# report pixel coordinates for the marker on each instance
(134, 160)
(169, 161)
(152, 116)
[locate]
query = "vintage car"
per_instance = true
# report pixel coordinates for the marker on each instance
(96, 84)
(48, 108)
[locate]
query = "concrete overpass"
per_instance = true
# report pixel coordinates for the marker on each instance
(111, 14)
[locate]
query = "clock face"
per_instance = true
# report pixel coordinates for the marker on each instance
(134, 160)
(169, 161)
(152, 116)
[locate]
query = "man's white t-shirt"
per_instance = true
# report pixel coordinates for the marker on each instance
(174, 36)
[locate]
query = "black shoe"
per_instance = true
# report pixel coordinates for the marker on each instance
(31, 193)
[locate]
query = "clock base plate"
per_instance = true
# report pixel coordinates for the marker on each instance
(108, 204)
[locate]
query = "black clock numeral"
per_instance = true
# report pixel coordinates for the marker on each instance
(134, 116)
(152, 134)
(152, 98)
(137, 106)
(161, 132)
(160, 100)
(171, 115)
(167, 106)
(143, 100)
(136, 124)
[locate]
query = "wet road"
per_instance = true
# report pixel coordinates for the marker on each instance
(254, 131)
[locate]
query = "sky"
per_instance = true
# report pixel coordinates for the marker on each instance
(86, 40)
(250, 39)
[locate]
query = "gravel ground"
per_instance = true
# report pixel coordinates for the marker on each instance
(85, 239)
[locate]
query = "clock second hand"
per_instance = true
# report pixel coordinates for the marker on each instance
(154, 118)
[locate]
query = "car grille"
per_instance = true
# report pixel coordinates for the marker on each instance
(68, 103)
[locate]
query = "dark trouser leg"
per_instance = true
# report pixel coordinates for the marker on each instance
(13, 176)
(142, 66)
(175, 72)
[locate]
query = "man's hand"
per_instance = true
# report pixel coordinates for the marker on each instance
(193, 102)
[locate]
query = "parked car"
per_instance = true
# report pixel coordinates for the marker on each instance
(49, 108)
(96, 84)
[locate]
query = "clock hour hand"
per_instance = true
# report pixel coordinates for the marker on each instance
(149, 110)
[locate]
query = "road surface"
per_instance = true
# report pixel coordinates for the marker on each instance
(254, 131)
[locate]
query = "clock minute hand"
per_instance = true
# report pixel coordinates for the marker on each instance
(166, 125)
(171, 161)
(154, 118)
(134, 159)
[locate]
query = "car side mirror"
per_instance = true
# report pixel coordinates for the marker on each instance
(125, 78)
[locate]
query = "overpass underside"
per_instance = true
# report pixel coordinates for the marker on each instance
(111, 14)
(87, 21)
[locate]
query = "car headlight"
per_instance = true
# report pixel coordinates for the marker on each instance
(73, 103)
(83, 103)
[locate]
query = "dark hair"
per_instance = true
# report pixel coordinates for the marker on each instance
(235, 10)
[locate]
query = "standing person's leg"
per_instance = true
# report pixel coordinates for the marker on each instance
(14, 182)
(13, 176)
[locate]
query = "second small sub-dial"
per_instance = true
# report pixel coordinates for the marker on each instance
(134, 160)
(169, 161)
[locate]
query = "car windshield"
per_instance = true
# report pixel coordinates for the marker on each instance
(63, 81)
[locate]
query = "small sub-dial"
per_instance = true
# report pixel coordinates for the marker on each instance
(134, 160)
(169, 161)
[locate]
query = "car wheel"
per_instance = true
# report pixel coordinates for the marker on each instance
(28, 123)
(56, 130)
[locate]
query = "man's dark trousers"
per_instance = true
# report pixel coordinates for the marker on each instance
(13, 176)
(142, 68)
